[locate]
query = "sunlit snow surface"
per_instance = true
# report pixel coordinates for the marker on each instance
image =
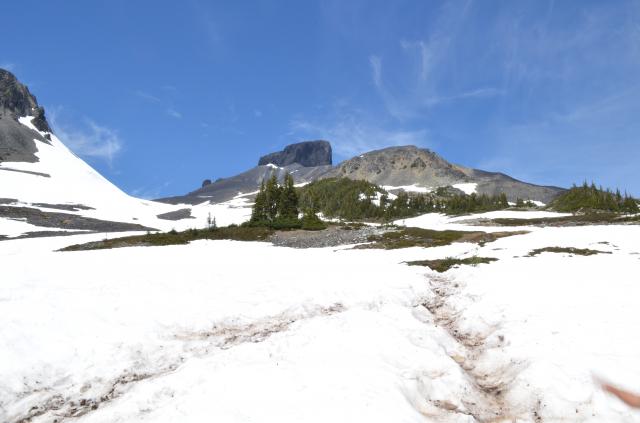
(72, 181)
(243, 332)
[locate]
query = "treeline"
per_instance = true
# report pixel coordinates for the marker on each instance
(591, 198)
(356, 200)
(280, 206)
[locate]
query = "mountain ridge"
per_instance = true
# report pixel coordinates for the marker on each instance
(392, 167)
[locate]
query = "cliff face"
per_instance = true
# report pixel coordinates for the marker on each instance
(17, 142)
(307, 154)
(17, 101)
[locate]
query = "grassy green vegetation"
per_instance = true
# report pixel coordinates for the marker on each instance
(418, 237)
(569, 250)
(574, 220)
(233, 232)
(588, 198)
(442, 265)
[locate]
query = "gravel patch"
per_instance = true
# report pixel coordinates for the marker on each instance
(333, 236)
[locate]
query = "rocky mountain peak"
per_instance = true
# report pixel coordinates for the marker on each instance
(306, 153)
(16, 101)
(403, 165)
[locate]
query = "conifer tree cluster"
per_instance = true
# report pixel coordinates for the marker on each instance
(589, 197)
(274, 202)
(474, 203)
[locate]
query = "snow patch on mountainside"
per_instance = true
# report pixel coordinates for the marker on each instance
(467, 188)
(408, 188)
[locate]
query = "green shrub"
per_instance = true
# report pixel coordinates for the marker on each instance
(442, 265)
(238, 233)
(569, 250)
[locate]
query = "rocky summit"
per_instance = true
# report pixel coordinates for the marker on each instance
(410, 165)
(306, 153)
(398, 166)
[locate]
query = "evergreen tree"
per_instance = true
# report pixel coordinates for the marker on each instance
(259, 212)
(272, 196)
(288, 202)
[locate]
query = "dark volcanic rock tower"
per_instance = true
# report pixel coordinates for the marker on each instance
(307, 154)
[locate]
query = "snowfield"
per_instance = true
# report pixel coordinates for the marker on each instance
(246, 331)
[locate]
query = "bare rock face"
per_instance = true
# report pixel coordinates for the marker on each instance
(17, 142)
(16, 100)
(307, 154)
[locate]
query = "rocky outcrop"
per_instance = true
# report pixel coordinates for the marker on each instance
(307, 154)
(17, 101)
(17, 142)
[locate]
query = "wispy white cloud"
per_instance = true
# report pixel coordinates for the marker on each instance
(376, 70)
(169, 109)
(418, 78)
(89, 140)
(146, 96)
(174, 113)
(477, 93)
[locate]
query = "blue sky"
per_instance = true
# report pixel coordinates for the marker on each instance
(159, 95)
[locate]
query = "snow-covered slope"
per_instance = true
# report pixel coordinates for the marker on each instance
(215, 331)
(60, 178)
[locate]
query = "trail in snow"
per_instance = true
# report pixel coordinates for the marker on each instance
(489, 374)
